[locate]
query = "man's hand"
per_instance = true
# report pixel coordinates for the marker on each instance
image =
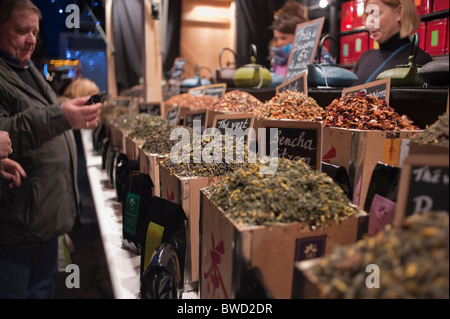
(79, 115)
(12, 171)
(5, 145)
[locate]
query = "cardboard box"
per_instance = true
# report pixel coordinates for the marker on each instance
(347, 45)
(186, 192)
(423, 6)
(132, 147)
(149, 164)
(227, 248)
(347, 15)
(426, 149)
(118, 137)
(358, 151)
(306, 285)
(437, 32)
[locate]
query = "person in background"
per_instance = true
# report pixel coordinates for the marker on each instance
(80, 87)
(77, 88)
(46, 204)
(390, 23)
(284, 27)
(11, 172)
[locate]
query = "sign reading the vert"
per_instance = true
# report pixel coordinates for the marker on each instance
(299, 83)
(380, 89)
(150, 108)
(307, 37)
(200, 115)
(293, 140)
(423, 185)
(238, 124)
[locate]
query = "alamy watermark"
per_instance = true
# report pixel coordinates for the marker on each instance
(373, 279)
(73, 19)
(73, 279)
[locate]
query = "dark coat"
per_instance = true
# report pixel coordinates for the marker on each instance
(47, 203)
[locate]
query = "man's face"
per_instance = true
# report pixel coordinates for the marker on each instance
(18, 35)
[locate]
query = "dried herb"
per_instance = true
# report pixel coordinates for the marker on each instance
(413, 262)
(237, 101)
(291, 105)
(221, 163)
(159, 142)
(365, 112)
(295, 193)
(435, 134)
(187, 100)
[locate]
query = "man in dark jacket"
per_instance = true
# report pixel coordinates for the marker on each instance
(46, 204)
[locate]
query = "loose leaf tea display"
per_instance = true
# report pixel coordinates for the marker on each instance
(146, 125)
(292, 105)
(238, 101)
(159, 142)
(294, 193)
(225, 158)
(186, 100)
(435, 134)
(364, 112)
(413, 262)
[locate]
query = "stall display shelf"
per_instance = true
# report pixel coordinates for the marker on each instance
(123, 265)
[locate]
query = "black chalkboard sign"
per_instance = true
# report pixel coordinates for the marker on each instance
(200, 115)
(380, 89)
(178, 68)
(150, 108)
(423, 185)
(292, 140)
(307, 37)
(299, 83)
(173, 115)
(233, 123)
(216, 90)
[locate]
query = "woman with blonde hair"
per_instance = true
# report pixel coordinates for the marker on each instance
(390, 23)
(81, 87)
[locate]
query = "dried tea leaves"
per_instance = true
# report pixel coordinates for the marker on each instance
(292, 105)
(364, 112)
(413, 261)
(295, 193)
(237, 101)
(435, 134)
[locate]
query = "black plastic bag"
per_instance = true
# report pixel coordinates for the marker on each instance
(122, 171)
(340, 177)
(164, 223)
(162, 277)
(136, 206)
(383, 182)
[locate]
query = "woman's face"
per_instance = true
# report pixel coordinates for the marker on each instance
(283, 38)
(381, 20)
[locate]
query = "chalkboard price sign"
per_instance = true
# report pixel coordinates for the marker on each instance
(216, 90)
(380, 89)
(299, 83)
(236, 123)
(191, 116)
(150, 108)
(293, 140)
(307, 36)
(423, 185)
(173, 115)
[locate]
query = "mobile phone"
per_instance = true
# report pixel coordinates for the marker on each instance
(97, 98)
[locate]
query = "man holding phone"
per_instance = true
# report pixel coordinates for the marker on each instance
(46, 204)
